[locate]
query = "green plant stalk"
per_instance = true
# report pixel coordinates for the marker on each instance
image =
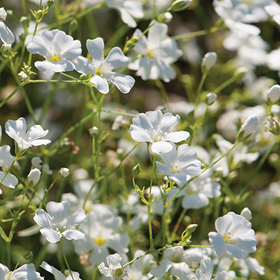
(65, 259)
(182, 215)
(188, 36)
(224, 84)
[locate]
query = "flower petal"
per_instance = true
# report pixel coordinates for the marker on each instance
(96, 50)
(71, 234)
(100, 83)
(10, 180)
(43, 219)
(116, 58)
(76, 217)
(123, 82)
(6, 34)
(58, 210)
(51, 235)
(218, 243)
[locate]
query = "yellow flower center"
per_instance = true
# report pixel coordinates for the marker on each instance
(98, 72)
(174, 169)
(55, 58)
(100, 241)
(117, 272)
(228, 238)
(150, 53)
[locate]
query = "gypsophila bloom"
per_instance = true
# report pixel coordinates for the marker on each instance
(114, 270)
(273, 94)
(248, 128)
(128, 9)
(6, 35)
(25, 272)
(234, 235)
(25, 139)
(208, 61)
(58, 49)
(6, 159)
(157, 53)
(181, 164)
(56, 223)
(154, 127)
(59, 275)
(101, 68)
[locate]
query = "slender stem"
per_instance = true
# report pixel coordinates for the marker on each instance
(187, 36)
(224, 84)
(65, 260)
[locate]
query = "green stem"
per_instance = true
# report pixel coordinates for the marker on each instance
(187, 36)
(225, 84)
(65, 260)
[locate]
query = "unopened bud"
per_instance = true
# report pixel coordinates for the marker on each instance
(64, 172)
(248, 128)
(180, 5)
(211, 98)
(208, 61)
(34, 176)
(22, 76)
(246, 213)
(273, 94)
(136, 170)
(93, 130)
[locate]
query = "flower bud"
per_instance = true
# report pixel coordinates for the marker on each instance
(34, 176)
(180, 5)
(211, 98)
(248, 128)
(22, 76)
(93, 130)
(273, 94)
(246, 213)
(64, 172)
(208, 61)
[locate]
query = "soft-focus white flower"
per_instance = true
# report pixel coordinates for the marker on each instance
(248, 127)
(59, 275)
(274, 94)
(6, 159)
(25, 272)
(157, 53)
(234, 234)
(36, 162)
(58, 49)
(25, 139)
(101, 68)
(114, 270)
(100, 229)
(208, 61)
(174, 259)
(211, 98)
(6, 35)
(64, 172)
(34, 176)
(181, 164)
(197, 193)
(129, 9)
(56, 223)
(154, 127)
(274, 11)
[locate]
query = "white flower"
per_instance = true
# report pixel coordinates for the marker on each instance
(102, 68)
(211, 98)
(248, 128)
(157, 54)
(57, 48)
(274, 11)
(114, 269)
(181, 164)
(274, 94)
(25, 139)
(197, 193)
(25, 272)
(59, 275)
(56, 223)
(208, 61)
(246, 213)
(234, 234)
(6, 35)
(6, 159)
(174, 259)
(154, 127)
(34, 176)
(64, 172)
(128, 9)
(100, 234)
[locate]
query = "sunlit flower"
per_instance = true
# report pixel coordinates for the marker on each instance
(129, 9)
(101, 68)
(181, 164)
(234, 235)
(34, 176)
(174, 260)
(6, 159)
(25, 272)
(25, 139)
(59, 275)
(114, 270)
(154, 127)
(157, 53)
(6, 35)
(56, 223)
(58, 49)
(100, 229)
